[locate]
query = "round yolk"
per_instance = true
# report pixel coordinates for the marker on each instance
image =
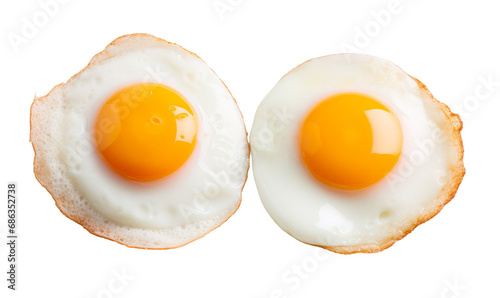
(145, 132)
(350, 141)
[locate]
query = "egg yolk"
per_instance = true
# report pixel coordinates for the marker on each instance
(350, 141)
(145, 132)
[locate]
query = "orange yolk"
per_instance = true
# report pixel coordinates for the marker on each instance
(145, 132)
(350, 141)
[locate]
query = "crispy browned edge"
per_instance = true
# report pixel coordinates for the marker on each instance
(445, 196)
(91, 63)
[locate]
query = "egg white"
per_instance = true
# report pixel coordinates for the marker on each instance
(316, 214)
(184, 206)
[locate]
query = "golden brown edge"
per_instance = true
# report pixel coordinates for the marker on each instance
(95, 60)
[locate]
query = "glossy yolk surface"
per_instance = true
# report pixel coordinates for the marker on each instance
(350, 141)
(145, 132)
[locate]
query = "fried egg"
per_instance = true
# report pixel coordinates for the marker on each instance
(350, 153)
(145, 146)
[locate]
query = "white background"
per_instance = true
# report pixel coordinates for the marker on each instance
(449, 45)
